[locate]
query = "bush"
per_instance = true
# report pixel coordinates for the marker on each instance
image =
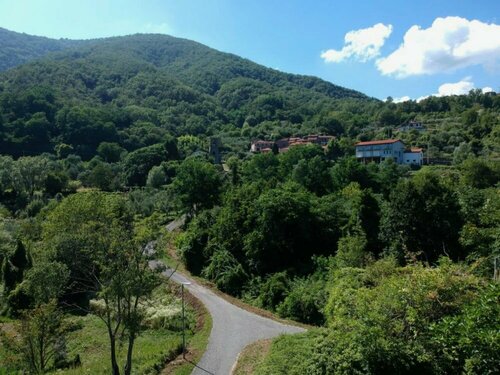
(226, 272)
(274, 290)
(305, 301)
(379, 318)
(470, 342)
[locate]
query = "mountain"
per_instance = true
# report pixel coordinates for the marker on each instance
(191, 63)
(19, 48)
(137, 89)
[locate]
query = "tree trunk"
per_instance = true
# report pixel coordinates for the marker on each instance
(128, 365)
(115, 370)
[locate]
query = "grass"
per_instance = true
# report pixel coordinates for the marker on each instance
(151, 351)
(88, 339)
(197, 343)
(287, 355)
(251, 357)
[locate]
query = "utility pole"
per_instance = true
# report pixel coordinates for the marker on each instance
(183, 321)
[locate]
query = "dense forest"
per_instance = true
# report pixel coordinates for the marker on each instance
(17, 49)
(103, 143)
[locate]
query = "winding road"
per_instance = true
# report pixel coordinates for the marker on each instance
(233, 328)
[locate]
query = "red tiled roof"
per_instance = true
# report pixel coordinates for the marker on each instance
(416, 149)
(381, 142)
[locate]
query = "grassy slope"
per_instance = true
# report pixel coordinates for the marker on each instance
(287, 355)
(251, 357)
(151, 350)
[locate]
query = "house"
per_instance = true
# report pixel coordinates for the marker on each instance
(260, 146)
(379, 151)
(412, 125)
(413, 156)
(284, 144)
(395, 149)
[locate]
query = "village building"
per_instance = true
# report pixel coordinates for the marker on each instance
(395, 149)
(414, 156)
(284, 144)
(412, 125)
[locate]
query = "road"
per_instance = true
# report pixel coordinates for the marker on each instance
(232, 330)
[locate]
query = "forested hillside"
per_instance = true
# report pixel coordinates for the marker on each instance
(103, 144)
(17, 49)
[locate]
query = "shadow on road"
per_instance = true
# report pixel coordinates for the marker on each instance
(200, 368)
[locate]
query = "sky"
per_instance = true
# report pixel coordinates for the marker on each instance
(398, 48)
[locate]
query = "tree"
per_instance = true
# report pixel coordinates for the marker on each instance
(461, 153)
(156, 177)
(352, 250)
(422, 219)
(110, 152)
(124, 281)
(138, 163)
(347, 170)
(313, 175)
(480, 173)
(74, 228)
(42, 333)
(14, 268)
(32, 173)
(93, 235)
(102, 176)
(56, 182)
(198, 184)
(46, 281)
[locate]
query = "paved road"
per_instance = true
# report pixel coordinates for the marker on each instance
(232, 330)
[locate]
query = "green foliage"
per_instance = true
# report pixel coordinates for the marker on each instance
(305, 300)
(198, 185)
(192, 243)
(56, 182)
(138, 163)
(156, 177)
(19, 48)
(352, 251)
(42, 337)
(480, 173)
(225, 271)
(274, 290)
(289, 355)
(76, 228)
(110, 152)
(13, 271)
(46, 281)
(470, 341)
(422, 219)
(379, 318)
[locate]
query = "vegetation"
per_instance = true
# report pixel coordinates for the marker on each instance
(17, 49)
(103, 144)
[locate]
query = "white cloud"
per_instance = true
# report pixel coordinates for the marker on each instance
(446, 89)
(160, 28)
(449, 44)
(362, 45)
(419, 99)
(401, 99)
(458, 88)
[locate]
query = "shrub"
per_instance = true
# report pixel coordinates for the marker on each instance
(226, 272)
(274, 290)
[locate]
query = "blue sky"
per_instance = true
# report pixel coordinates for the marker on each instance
(449, 53)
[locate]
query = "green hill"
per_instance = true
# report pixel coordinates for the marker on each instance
(101, 89)
(19, 48)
